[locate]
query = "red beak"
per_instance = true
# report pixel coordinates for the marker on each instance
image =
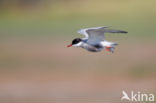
(69, 45)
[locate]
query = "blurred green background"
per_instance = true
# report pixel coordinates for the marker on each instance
(36, 66)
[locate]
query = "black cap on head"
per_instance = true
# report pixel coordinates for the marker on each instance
(76, 41)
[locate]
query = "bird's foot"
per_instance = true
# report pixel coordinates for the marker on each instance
(110, 49)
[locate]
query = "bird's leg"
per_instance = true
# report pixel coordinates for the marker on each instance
(109, 48)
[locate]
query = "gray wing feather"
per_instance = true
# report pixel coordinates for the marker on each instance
(96, 34)
(84, 31)
(114, 31)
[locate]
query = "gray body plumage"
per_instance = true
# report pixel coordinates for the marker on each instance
(91, 47)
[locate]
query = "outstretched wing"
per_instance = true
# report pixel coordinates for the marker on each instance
(96, 34)
(93, 35)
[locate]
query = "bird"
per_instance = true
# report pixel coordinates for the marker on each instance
(94, 40)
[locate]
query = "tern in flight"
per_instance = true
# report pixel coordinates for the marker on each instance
(94, 40)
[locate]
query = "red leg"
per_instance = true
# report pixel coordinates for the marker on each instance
(108, 48)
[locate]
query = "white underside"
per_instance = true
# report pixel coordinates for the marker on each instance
(107, 43)
(103, 43)
(94, 49)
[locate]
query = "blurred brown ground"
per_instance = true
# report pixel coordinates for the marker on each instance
(45, 72)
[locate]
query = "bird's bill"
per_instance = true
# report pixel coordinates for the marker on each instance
(69, 45)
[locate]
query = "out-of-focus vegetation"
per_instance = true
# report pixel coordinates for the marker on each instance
(24, 18)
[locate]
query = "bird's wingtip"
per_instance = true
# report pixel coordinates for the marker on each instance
(124, 31)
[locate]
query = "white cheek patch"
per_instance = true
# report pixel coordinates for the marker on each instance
(77, 45)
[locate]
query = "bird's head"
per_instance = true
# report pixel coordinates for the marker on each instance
(75, 42)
